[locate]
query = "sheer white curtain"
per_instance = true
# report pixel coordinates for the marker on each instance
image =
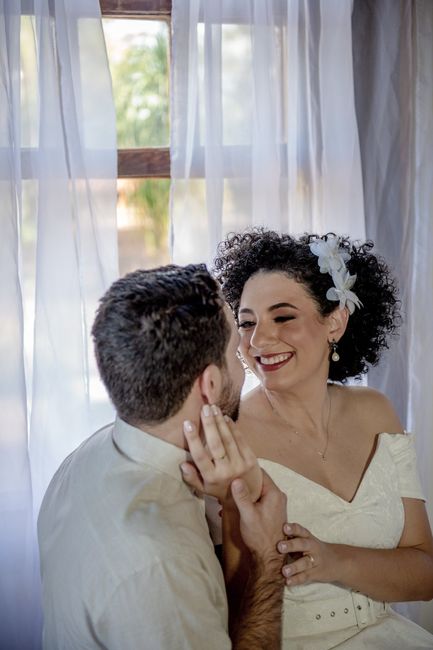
(393, 55)
(58, 253)
(263, 121)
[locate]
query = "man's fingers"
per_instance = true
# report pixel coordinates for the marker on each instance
(242, 497)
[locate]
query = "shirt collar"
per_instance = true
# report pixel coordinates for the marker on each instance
(142, 447)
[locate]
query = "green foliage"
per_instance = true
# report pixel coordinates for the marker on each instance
(150, 199)
(140, 80)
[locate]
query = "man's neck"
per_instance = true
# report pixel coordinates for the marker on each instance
(171, 430)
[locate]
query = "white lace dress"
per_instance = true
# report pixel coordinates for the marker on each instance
(320, 616)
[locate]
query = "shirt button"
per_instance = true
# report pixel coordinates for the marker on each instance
(346, 611)
(358, 607)
(318, 617)
(332, 613)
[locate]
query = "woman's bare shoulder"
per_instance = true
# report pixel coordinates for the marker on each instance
(370, 406)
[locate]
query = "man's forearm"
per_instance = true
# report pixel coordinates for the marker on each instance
(257, 622)
(253, 565)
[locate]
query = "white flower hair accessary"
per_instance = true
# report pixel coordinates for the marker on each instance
(332, 260)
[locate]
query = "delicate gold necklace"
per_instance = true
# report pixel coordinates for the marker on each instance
(322, 454)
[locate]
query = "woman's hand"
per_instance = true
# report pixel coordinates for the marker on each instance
(312, 559)
(225, 456)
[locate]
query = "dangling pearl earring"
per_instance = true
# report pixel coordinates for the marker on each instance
(334, 356)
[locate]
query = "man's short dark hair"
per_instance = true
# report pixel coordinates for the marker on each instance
(155, 332)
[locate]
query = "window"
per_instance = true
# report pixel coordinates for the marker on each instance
(137, 34)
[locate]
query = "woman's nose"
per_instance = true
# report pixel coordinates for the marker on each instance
(262, 336)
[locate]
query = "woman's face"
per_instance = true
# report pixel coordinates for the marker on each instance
(284, 339)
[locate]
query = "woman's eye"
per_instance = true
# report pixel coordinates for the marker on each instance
(245, 324)
(283, 319)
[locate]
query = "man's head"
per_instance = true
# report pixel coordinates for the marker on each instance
(155, 332)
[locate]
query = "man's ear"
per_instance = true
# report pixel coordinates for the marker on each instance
(210, 384)
(337, 323)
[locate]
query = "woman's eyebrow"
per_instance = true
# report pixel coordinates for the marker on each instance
(282, 304)
(246, 310)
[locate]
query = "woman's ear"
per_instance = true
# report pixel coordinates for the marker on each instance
(337, 323)
(210, 384)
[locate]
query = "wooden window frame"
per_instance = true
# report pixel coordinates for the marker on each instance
(147, 162)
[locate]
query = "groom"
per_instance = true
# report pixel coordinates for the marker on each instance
(126, 557)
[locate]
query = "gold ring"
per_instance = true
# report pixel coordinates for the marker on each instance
(311, 559)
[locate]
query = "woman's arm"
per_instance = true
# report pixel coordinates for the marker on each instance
(401, 574)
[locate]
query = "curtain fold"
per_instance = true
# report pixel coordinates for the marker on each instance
(18, 584)
(58, 254)
(393, 54)
(263, 121)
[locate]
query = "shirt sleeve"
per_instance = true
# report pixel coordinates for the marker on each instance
(172, 604)
(403, 452)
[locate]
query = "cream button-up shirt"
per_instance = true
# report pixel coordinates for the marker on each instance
(126, 557)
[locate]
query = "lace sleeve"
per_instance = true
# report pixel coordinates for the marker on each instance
(402, 449)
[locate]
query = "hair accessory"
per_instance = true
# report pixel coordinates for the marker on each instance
(334, 356)
(332, 260)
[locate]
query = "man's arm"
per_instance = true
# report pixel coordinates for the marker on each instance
(254, 512)
(255, 611)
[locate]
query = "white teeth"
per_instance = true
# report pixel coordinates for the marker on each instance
(269, 361)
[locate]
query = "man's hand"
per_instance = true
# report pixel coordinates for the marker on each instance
(253, 574)
(225, 456)
(261, 523)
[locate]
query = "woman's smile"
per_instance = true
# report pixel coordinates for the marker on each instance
(272, 362)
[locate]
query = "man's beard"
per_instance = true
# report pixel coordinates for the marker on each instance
(230, 399)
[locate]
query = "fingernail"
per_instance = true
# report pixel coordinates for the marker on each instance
(215, 409)
(184, 469)
(188, 426)
(288, 582)
(226, 418)
(283, 548)
(287, 571)
(206, 410)
(287, 529)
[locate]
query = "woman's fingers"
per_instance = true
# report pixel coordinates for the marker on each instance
(296, 530)
(300, 570)
(196, 448)
(303, 547)
(219, 437)
(191, 476)
(215, 452)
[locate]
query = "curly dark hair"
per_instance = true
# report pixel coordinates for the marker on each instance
(242, 255)
(155, 332)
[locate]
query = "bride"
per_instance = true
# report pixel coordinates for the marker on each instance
(313, 312)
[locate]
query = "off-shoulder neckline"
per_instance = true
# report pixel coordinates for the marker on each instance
(362, 479)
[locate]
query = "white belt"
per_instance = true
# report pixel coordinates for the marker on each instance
(332, 614)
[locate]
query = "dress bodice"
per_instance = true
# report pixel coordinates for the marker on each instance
(323, 615)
